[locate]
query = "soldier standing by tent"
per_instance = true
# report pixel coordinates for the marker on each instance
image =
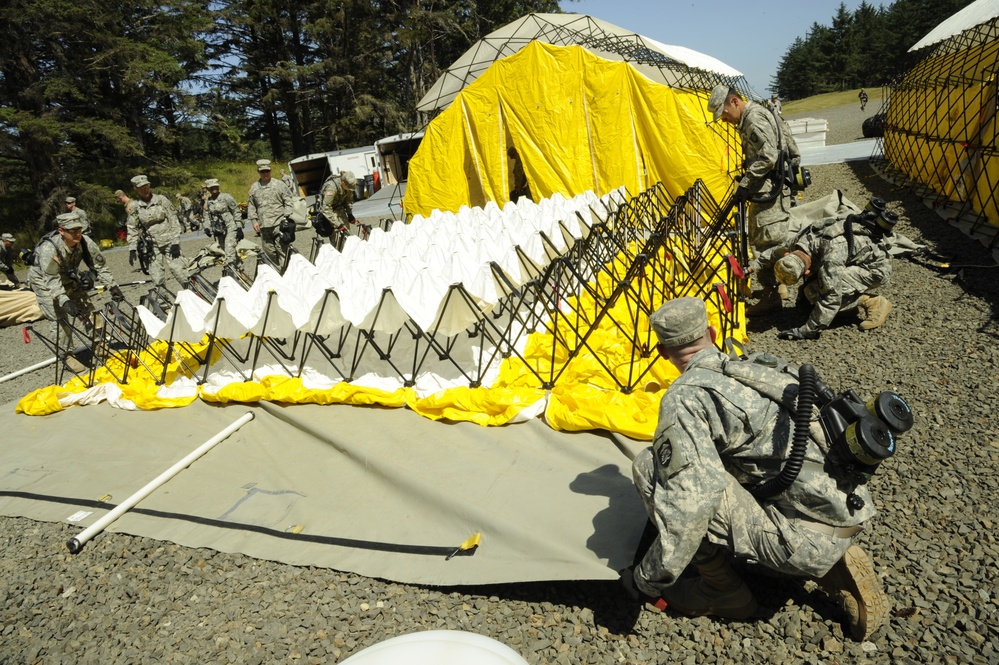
(72, 207)
(708, 485)
(65, 266)
(186, 208)
(224, 221)
(336, 199)
(764, 137)
(520, 185)
(843, 263)
(269, 209)
(153, 214)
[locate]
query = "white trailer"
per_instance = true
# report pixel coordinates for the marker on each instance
(311, 171)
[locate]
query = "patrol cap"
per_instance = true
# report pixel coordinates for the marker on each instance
(348, 177)
(789, 269)
(70, 199)
(119, 192)
(140, 181)
(212, 182)
(69, 221)
(680, 321)
(717, 100)
(263, 165)
(8, 237)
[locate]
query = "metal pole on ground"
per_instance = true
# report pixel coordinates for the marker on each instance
(32, 368)
(76, 544)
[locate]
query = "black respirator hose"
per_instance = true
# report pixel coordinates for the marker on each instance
(799, 444)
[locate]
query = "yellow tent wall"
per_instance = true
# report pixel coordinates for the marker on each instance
(941, 127)
(579, 123)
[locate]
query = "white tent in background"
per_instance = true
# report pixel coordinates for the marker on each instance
(675, 66)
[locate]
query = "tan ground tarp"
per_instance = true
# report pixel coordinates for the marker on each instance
(340, 487)
(17, 307)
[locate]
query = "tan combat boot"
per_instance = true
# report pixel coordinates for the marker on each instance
(74, 365)
(853, 580)
(875, 311)
(719, 591)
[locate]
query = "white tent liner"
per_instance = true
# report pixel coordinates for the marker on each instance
(591, 33)
(405, 275)
(973, 15)
(380, 492)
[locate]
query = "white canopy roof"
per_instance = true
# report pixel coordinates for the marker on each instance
(662, 63)
(971, 16)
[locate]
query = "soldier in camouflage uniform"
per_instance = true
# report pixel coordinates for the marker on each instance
(223, 221)
(268, 206)
(72, 207)
(768, 199)
(7, 257)
(716, 434)
(64, 268)
(155, 214)
(336, 199)
(843, 263)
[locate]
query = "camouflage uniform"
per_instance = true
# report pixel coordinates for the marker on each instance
(716, 434)
(186, 210)
(268, 205)
(159, 219)
(838, 278)
(7, 256)
(222, 213)
(335, 202)
(767, 221)
(52, 278)
(87, 230)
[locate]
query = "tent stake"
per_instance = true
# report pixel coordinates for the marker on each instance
(76, 544)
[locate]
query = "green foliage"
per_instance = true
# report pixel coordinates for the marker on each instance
(864, 48)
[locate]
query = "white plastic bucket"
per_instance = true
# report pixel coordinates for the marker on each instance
(437, 647)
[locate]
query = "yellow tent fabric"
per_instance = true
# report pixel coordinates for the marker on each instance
(579, 123)
(941, 126)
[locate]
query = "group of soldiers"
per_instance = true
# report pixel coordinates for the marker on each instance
(67, 264)
(837, 261)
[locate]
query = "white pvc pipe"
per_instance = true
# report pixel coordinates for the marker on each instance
(14, 375)
(76, 544)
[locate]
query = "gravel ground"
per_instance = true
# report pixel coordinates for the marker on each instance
(137, 600)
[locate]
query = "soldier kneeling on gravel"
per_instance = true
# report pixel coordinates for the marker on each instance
(843, 262)
(713, 484)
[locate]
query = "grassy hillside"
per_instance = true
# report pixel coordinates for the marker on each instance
(831, 99)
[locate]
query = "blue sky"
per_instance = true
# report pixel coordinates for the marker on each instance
(749, 36)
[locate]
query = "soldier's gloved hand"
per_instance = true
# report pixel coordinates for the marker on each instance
(131, 257)
(175, 251)
(351, 218)
(116, 294)
(741, 194)
(208, 232)
(795, 334)
(71, 308)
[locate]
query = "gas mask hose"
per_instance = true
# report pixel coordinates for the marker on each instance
(799, 443)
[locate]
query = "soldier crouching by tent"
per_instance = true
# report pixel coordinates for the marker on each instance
(63, 270)
(843, 263)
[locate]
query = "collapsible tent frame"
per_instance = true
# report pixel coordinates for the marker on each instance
(674, 66)
(610, 270)
(941, 126)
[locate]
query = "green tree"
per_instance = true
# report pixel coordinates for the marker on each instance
(91, 85)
